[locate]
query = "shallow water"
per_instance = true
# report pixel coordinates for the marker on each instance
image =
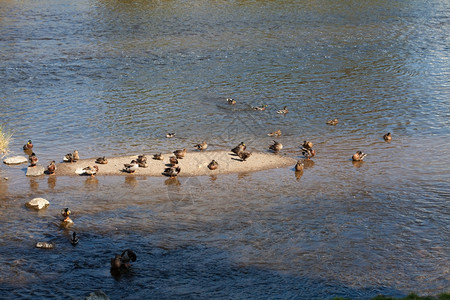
(113, 77)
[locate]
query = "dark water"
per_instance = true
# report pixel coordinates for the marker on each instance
(112, 77)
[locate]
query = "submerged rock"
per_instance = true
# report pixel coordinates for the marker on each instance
(37, 203)
(35, 171)
(15, 160)
(97, 295)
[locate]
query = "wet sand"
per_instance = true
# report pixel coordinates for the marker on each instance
(193, 164)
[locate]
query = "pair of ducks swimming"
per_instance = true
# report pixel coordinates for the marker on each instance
(123, 261)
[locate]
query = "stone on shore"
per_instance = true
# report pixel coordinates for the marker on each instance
(38, 203)
(35, 171)
(15, 160)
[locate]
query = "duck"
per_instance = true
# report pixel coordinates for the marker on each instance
(127, 256)
(173, 161)
(170, 135)
(51, 168)
(283, 111)
(308, 152)
(333, 122)
(180, 153)
(74, 239)
(202, 146)
(158, 156)
(231, 101)
(101, 160)
(261, 108)
(275, 133)
(89, 170)
(68, 158)
(387, 137)
(299, 166)
(276, 147)
(28, 145)
(244, 155)
(213, 165)
(131, 167)
(75, 155)
(33, 159)
(66, 213)
(307, 144)
(239, 148)
(116, 262)
(172, 171)
(358, 156)
(142, 161)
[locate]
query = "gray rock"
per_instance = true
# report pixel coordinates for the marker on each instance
(37, 203)
(97, 295)
(35, 171)
(15, 160)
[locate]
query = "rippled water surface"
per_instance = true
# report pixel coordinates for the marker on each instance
(113, 77)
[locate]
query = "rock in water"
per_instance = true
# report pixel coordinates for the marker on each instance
(35, 171)
(38, 203)
(97, 295)
(15, 160)
(44, 245)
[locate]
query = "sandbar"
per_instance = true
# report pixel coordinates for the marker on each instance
(193, 164)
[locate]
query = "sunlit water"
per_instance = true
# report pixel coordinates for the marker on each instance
(112, 77)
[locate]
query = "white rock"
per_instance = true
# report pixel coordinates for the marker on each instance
(35, 171)
(15, 160)
(44, 245)
(38, 203)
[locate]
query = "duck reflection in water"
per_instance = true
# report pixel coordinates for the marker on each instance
(172, 182)
(131, 181)
(51, 182)
(34, 185)
(91, 181)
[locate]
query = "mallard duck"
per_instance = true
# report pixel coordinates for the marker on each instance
(275, 133)
(202, 146)
(68, 158)
(231, 101)
(127, 256)
(308, 152)
(239, 148)
(283, 111)
(74, 239)
(172, 171)
(387, 137)
(262, 107)
(158, 156)
(276, 147)
(213, 165)
(299, 166)
(116, 262)
(307, 144)
(89, 170)
(244, 155)
(170, 135)
(142, 161)
(66, 213)
(101, 160)
(358, 156)
(33, 159)
(332, 122)
(28, 145)
(76, 156)
(51, 168)
(173, 161)
(131, 167)
(180, 153)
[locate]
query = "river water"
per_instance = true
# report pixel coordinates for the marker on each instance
(113, 77)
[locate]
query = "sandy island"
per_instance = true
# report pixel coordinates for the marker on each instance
(193, 164)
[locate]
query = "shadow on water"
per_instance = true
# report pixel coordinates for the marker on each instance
(183, 271)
